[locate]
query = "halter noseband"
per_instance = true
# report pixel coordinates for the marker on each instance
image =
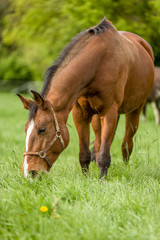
(43, 153)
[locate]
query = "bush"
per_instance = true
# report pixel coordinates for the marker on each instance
(12, 68)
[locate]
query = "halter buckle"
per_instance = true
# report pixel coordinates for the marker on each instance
(58, 134)
(42, 154)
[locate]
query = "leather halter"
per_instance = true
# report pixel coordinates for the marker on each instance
(43, 153)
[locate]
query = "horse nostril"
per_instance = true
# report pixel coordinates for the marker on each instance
(33, 173)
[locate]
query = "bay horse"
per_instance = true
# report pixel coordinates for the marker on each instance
(154, 98)
(102, 71)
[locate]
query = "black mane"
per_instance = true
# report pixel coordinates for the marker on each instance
(52, 69)
(99, 29)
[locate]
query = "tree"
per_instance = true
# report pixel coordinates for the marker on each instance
(40, 29)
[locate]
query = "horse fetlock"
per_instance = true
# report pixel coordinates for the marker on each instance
(103, 173)
(85, 159)
(85, 170)
(104, 161)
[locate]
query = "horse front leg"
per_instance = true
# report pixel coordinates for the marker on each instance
(82, 123)
(96, 125)
(109, 124)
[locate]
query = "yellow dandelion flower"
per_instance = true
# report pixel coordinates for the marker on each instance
(54, 210)
(57, 216)
(44, 209)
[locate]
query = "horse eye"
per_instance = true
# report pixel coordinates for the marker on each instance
(41, 130)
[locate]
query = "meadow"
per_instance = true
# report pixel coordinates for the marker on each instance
(126, 206)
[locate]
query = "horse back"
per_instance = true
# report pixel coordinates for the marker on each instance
(135, 38)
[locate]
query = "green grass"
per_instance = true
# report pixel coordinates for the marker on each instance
(126, 206)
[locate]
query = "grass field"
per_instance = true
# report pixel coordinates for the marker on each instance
(126, 206)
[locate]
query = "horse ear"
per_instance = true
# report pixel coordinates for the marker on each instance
(39, 100)
(27, 103)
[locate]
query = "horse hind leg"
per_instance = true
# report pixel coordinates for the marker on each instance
(131, 126)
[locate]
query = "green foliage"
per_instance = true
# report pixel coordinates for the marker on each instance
(40, 29)
(13, 69)
(125, 206)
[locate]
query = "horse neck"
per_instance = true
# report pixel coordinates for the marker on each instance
(70, 82)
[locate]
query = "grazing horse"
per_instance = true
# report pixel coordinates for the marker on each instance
(154, 98)
(102, 71)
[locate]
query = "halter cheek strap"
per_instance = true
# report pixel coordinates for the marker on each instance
(43, 153)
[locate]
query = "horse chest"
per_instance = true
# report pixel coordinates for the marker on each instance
(90, 105)
(96, 103)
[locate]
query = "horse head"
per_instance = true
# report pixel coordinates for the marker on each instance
(46, 135)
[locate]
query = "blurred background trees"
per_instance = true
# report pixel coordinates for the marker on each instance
(33, 32)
